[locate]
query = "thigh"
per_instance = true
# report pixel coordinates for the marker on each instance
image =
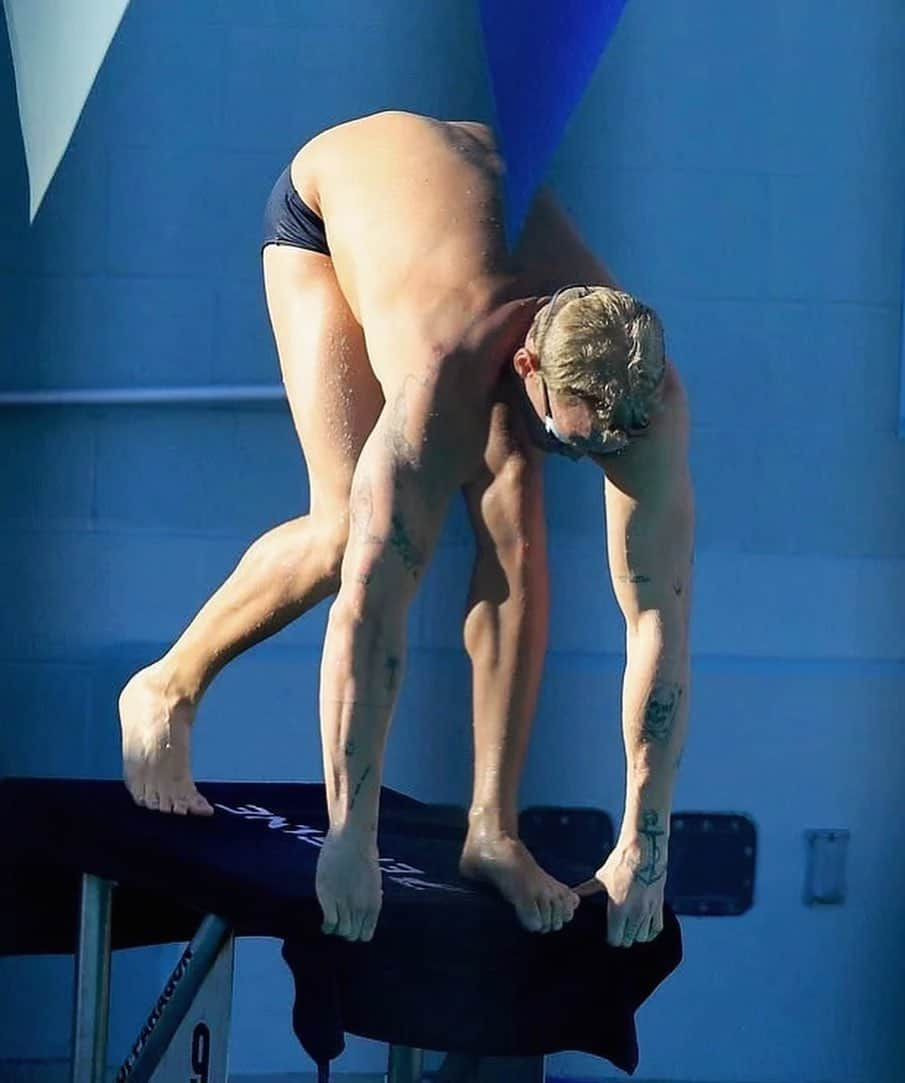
(333, 394)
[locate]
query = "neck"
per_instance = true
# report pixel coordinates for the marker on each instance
(524, 422)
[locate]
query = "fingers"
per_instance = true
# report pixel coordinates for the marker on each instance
(348, 922)
(330, 910)
(358, 919)
(347, 919)
(636, 932)
(356, 924)
(369, 925)
(624, 930)
(588, 887)
(656, 926)
(615, 926)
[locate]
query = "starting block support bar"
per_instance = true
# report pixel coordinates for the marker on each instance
(176, 1000)
(92, 982)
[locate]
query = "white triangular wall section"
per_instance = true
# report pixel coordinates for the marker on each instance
(57, 47)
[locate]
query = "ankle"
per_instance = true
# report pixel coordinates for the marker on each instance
(491, 821)
(175, 681)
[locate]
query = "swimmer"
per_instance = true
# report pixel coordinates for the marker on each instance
(419, 358)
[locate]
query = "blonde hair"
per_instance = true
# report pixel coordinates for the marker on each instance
(605, 347)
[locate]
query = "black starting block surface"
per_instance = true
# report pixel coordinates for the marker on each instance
(449, 967)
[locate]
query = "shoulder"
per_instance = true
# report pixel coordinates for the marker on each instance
(655, 465)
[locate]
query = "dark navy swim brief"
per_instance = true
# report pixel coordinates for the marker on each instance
(289, 220)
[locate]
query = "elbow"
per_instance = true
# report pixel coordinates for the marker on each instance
(368, 599)
(663, 631)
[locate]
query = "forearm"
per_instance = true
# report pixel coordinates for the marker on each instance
(395, 510)
(655, 697)
(363, 654)
(360, 673)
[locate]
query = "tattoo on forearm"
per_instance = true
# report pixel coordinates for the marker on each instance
(392, 673)
(361, 783)
(660, 713)
(361, 511)
(396, 440)
(404, 546)
(652, 832)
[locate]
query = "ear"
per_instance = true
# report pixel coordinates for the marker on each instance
(524, 362)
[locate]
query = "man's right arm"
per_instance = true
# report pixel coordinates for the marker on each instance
(415, 458)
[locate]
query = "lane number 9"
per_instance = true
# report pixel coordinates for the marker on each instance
(201, 1053)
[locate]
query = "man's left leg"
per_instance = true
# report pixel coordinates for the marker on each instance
(506, 637)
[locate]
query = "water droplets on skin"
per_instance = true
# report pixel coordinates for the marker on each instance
(339, 416)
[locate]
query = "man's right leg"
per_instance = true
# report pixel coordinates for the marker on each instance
(335, 401)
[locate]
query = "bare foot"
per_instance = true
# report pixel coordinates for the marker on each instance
(542, 903)
(155, 728)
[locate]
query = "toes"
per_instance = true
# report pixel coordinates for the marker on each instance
(189, 801)
(547, 910)
(135, 787)
(368, 927)
(561, 913)
(562, 904)
(199, 805)
(160, 799)
(531, 918)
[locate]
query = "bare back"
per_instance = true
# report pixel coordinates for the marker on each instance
(413, 217)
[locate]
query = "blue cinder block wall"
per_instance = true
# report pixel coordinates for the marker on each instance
(741, 167)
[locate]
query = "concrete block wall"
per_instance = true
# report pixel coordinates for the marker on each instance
(739, 166)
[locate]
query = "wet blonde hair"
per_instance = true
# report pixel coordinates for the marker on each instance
(603, 346)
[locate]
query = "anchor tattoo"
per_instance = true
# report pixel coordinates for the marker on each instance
(647, 873)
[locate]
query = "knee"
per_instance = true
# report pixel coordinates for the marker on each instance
(295, 550)
(332, 533)
(509, 512)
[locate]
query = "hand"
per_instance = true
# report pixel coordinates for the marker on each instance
(634, 878)
(348, 885)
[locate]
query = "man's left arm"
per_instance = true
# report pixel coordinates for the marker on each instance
(650, 541)
(650, 549)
